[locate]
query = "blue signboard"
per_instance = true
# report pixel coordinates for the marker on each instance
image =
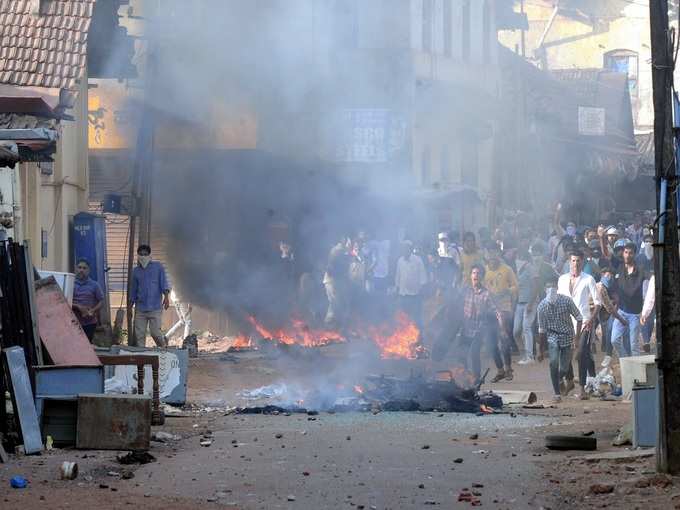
(89, 243)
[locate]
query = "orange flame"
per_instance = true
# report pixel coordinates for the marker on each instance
(299, 333)
(398, 340)
(395, 339)
(242, 342)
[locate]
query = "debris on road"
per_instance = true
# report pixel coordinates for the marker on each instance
(601, 488)
(68, 470)
(556, 442)
(163, 437)
(18, 482)
(136, 457)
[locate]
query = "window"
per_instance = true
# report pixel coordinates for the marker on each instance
(486, 31)
(446, 174)
(624, 61)
(426, 167)
(428, 22)
(469, 162)
(448, 28)
(465, 30)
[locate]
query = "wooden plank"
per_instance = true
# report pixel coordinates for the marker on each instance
(22, 399)
(64, 339)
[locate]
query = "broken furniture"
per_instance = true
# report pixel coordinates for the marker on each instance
(65, 341)
(114, 422)
(56, 398)
(157, 416)
(173, 369)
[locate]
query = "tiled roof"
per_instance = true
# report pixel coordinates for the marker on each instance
(46, 49)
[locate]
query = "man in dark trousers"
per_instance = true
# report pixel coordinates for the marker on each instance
(555, 326)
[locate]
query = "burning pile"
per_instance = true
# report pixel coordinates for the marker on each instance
(379, 393)
(397, 338)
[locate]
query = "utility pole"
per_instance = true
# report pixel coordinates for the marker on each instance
(667, 263)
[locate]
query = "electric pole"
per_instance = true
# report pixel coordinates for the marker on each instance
(666, 263)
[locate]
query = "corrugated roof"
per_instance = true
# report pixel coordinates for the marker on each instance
(46, 49)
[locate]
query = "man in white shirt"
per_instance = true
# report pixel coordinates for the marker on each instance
(409, 280)
(582, 289)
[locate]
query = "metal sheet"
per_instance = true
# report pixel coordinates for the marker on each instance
(114, 422)
(65, 382)
(22, 399)
(64, 339)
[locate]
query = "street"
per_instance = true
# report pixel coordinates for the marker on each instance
(353, 460)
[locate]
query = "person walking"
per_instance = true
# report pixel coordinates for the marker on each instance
(528, 279)
(88, 298)
(150, 294)
(501, 282)
(480, 317)
(628, 286)
(580, 287)
(556, 316)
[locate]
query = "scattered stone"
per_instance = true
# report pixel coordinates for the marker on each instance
(477, 485)
(661, 481)
(206, 442)
(474, 436)
(113, 473)
(589, 433)
(127, 475)
(103, 486)
(601, 488)
(421, 486)
(136, 457)
(290, 497)
(305, 473)
(425, 447)
(349, 438)
(211, 499)
(164, 437)
(278, 436)
(458, 460)
(430, 502)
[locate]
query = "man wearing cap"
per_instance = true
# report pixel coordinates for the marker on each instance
(628, 287)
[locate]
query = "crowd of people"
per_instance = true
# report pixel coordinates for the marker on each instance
(558, 290)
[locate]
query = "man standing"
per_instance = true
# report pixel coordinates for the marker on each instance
(87, 298)
(555, 326)
(150, 291)
(580, 287)
(502, 284)
(409, 281)
(480, 316)
(628, 290)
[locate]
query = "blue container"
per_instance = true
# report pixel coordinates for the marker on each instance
(89, 243)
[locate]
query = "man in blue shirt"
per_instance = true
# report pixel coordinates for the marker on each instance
(150, 291)
(87, 298)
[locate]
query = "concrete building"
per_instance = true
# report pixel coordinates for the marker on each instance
(590, 47)
(613, 35)
(43, 111)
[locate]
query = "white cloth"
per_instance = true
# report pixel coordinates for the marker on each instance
(650, 298)
(410, 276)
(583, 291)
